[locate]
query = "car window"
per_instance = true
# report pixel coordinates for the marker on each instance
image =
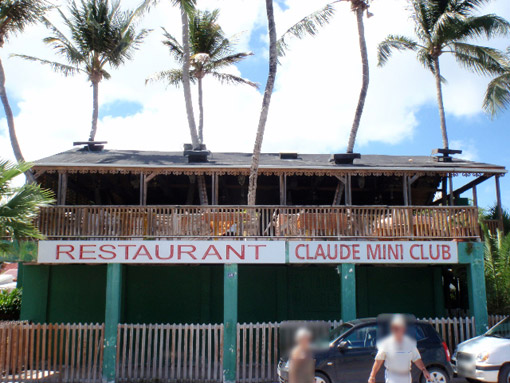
(420, 333)
(362, 337)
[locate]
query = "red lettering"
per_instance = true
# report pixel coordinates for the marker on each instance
(212, 250)
(230, 248)
(342, 256)
(393, 252)
(446, 252)
(126, 254)
(355, 251)
(411, 249)
(181, 250)
(83, 251)
(67, 252)
(145, 253)
(257, 247)
(297, 251)
(374, 254)
(320, 252)
(156, 254)
(103, 249)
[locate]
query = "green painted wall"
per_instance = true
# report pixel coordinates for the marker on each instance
(396, 289)
(276, 293)
(64, 293)
(173, 294)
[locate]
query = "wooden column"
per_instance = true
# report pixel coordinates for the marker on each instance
(229, 323)
(283, 189)
(112, 320)
(405, 187)
(143, 196)
(214, 189)
(347, 272)
(450, 185)
(498, 203)
(475, 196)
(348, 190)
(471, 254)
(62, 189)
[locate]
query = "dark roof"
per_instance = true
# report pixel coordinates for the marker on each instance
(80, 158)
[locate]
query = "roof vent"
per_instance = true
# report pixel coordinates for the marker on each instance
(92, 146)
(288, 156)
(196, 155)
(344, 158)
(445, 155)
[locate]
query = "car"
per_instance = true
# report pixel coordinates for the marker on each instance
(485, 358)
(348, 354)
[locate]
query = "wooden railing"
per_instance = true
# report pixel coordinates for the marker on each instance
(375, 222)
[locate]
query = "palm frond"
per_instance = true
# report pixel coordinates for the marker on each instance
(16, 15)
(19, 206)
(456, 28)
(170, 77)
(230, 79)
(66, 70)
(230, 59)
(307, 26)
(176, 49)
(497, 96)
(481, 60)
(394, 42)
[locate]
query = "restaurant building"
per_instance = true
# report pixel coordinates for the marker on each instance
(329, 239)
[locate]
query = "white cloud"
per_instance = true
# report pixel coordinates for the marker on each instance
(313, 105)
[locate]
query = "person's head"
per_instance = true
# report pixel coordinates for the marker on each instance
(303, 337)
(398, 326)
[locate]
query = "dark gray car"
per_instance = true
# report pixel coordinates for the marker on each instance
(348, 355)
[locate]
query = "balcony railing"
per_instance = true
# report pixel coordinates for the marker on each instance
(239, 222)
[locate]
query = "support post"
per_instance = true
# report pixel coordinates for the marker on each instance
(450, 185)
(62, 189)
(283, 189)
(498, 203)
(214, 189)
(229, 323)
(143, 198)
(475, 197)
(471, 254)
(348, 190)
(405, 190)
(347, 272)
(112, 320)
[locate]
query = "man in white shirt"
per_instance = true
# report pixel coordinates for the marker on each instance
(397, 351)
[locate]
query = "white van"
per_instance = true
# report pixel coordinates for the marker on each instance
(485, 358)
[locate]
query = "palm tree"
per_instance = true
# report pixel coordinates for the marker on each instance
(210, 52)
(497, 270)
(271, 77)
(19, 206)
(101, 35)
(15, 16)
(497, 96)
(446, 27)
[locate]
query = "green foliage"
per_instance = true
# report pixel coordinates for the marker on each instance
(19, 206)
(100, 34)
(445, 27)
(492, 214)
(497, 96)
(210, 51)
(16, 15)
(10, 304)
(497, 271)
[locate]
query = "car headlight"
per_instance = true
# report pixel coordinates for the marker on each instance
(482, 357)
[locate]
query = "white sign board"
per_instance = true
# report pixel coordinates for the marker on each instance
(379, 252)
(170, 252)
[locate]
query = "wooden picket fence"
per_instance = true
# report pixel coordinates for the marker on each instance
(170, 352)
(164, 352)
(51, 352)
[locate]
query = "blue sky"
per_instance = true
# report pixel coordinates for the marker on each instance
(401, 97)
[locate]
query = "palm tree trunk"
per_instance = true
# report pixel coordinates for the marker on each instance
(10, 123)
(271, 77)
(95, 109)
(365, 80)
(440, 103)
(201, 111)
(186, 80)
(10, 117)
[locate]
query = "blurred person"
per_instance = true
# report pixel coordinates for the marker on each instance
(301, 363)
(397, 351)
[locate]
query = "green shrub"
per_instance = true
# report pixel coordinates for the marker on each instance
(10, 304)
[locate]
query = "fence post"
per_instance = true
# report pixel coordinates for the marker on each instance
(112, 320)
(471, 254)
(347, 272)
(229, 323)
